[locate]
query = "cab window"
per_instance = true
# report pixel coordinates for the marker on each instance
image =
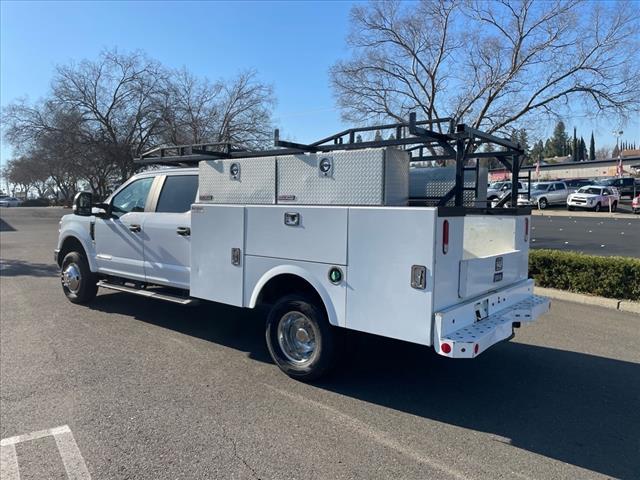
(559, 186)
(131, 198)
(178, 193)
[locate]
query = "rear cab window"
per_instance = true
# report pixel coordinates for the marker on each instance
(178, 193)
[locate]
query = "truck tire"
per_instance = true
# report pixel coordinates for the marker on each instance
(614, 206)
(542, 203)
(78, 282)
(597, 207)
(300, 339)
(570, 208)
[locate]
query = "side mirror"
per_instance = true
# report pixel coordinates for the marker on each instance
(82, 204)
(101, 210)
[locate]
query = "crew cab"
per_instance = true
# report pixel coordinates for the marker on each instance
(594, 197)
(544, 194)
(324, 235)
(626, 186)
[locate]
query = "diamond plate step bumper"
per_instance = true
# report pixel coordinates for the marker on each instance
(474, 337)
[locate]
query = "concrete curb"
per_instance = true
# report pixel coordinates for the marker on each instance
(622, 305)
(577, 214)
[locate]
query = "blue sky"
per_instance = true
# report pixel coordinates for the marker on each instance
(291, 44)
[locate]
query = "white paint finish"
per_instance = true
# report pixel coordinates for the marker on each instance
(383, 245)
(167, 254)
(486, 235)
(463, 314)
(447, 266)
(9, 469)
(27, 437)
(78, 227)
(71, 457)
(216, 229)
(259, 270)
(119, 251)
(320, 237)
(477, 274)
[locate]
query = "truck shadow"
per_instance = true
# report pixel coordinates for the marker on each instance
(576, 408)
(15, 268)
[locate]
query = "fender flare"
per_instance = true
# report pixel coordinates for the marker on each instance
(305, 275)
(86, 244)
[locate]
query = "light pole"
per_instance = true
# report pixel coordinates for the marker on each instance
(618, 134)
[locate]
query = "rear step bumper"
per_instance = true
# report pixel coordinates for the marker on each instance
(147, 293)
(459, 335)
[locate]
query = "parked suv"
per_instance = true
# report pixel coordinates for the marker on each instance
(544, 194)
(594, 197)
(624, 185)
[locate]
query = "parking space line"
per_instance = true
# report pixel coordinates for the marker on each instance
(9, 463)
(70, 454)
(71, 457)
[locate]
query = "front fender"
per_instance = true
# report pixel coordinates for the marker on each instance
(80, 231)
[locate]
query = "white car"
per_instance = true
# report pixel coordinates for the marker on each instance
(10, 202)
(594, 197)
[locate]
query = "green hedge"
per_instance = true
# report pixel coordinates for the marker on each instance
(613, 277)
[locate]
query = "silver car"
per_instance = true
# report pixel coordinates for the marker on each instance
(10, 202)
(544, 194)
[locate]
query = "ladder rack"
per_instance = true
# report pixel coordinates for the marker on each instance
(428, 140)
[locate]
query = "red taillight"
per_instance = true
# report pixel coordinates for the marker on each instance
(445, 237)
(445, 347)
(526, 229)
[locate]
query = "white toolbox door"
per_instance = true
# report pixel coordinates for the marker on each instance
(215, 231)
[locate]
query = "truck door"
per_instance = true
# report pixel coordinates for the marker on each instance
(167, 239)
(118, 240)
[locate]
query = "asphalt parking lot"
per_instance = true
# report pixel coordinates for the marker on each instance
(596, 234)
(151, 390)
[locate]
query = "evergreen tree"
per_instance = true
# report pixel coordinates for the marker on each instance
(592, 148)
(582, 151)
(574, 146)
(537, 151)
(548, 149)
(558, 141)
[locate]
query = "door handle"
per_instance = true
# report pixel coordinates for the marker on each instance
(184, 231)
(134, 228)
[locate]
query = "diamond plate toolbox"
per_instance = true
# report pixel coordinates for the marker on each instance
(238, 181)
(362, 177)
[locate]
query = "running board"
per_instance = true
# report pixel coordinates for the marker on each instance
(147, 293)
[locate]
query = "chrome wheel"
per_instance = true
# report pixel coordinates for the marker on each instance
(297, 337)
(71, 277)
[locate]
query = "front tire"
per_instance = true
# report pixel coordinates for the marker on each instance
(614, 206)
(597, 208)
(542, 203)
(79, 284)
(571, 209)
(300, 339)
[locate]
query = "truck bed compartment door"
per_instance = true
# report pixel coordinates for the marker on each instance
(217, 253)
(483, 274)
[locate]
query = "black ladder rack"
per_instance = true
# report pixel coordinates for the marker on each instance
(428, 140)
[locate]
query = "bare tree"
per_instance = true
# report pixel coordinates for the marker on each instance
(489, 64)
(235, 111)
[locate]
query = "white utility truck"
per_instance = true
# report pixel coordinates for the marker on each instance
(325, 234)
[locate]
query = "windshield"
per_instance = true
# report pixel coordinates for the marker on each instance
(496, 185)
(540, 186)
(590, 190)
(609, 181)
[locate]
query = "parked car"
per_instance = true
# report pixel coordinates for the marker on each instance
(10, 202)
(544, 194)
(635, 204)
(497, 189)
(627, 186)
(575, 183)
(594, 197)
